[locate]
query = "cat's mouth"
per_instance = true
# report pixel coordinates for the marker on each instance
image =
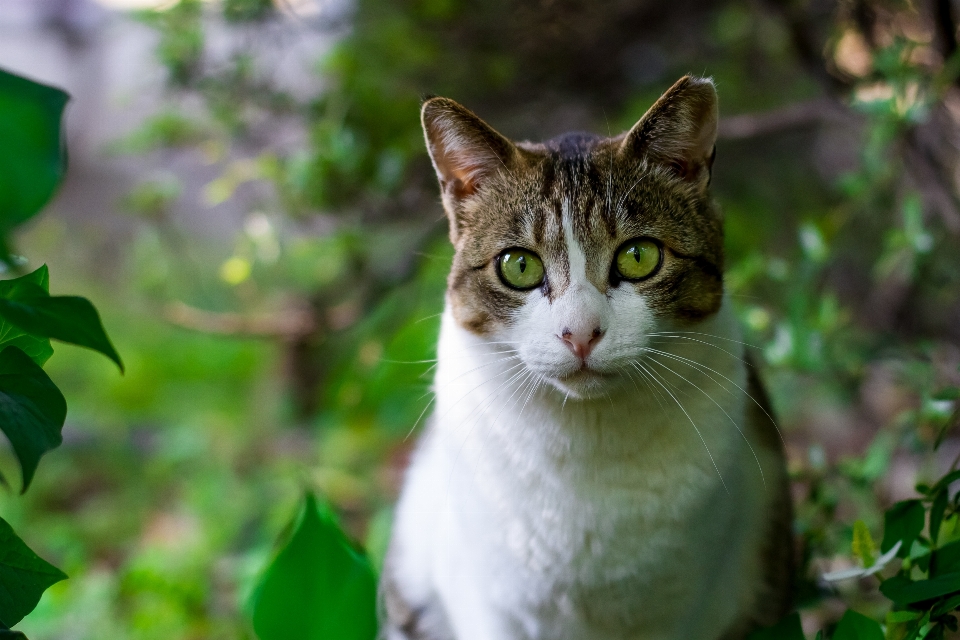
(583, 382)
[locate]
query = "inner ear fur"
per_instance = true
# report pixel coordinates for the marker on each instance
(679, 130)
(464, 149)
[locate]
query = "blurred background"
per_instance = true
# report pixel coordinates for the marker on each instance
(250, 206)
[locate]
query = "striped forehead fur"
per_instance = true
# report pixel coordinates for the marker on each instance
(650, 182)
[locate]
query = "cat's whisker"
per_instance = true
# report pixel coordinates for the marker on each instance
(719, 406)
(699, 434)
(706, 335)
(470, 392)
(742, 390)
(447, 383)
(662, 340)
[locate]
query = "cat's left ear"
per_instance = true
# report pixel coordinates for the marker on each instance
(465, 150)
(679, 130)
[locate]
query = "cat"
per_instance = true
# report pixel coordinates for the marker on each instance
(600, 462)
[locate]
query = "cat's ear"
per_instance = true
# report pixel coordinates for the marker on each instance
(464, 149)
(679, 130)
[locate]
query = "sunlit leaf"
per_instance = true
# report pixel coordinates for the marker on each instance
(32, 410)
(903, 521)
(66, 318)
(36, 347)
(855, 626)
(32, 159)
(24, 576)
(787, 629)
(318, 587)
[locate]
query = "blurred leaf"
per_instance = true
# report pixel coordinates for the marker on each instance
(855, 626)
(66, 318)
(948, 393)
(318, 587)
(32, 158)
(787, 629)
(863, 545)
(946, 559)
(937, 510)
(903, 521)
(904, 591)
(24, 574)
(36, 347)
(9, 634)
(32, 410)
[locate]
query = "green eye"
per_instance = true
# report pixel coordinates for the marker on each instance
(638, 259)
(520, 269)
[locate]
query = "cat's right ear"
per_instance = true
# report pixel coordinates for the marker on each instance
(464, 149)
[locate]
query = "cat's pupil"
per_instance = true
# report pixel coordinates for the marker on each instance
(522, 262)
(635, 252)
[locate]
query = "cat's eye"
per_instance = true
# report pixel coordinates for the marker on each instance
(520, 269)
(638, 259)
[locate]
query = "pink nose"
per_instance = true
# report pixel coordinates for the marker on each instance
(581, 343)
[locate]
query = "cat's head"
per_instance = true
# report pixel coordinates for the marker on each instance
(576, 250)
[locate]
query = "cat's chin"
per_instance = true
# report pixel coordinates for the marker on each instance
(584, 384)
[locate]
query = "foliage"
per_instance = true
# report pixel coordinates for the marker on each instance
(841, 261)
(32, 409)
(318, 586)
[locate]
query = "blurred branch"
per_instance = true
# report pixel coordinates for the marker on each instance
(288, 325)
(788, 117)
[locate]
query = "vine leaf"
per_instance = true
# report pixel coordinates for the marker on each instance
(903, 521)
(71, 319)
(318, 587)
(32, 411)
(10, 335)
(856, 626)
(24, 576)
(32, 157)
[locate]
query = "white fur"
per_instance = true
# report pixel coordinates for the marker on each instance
(540, 506)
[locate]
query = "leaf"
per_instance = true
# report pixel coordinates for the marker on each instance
(34, 346)
(318, 587)
(863, 546)
(32, 158)
(32, 410)
(903, 521)
(855, 626)
(9, 634)
(66, 318)
(788, 628)
(24, 577)
(937, 510)
(946, 559)
(949, 393)
(903, 591)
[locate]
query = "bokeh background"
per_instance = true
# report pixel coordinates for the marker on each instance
(250, 206)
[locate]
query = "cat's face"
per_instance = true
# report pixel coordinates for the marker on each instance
(575, 252)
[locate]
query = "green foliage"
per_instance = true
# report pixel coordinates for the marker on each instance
(24, 575)
(854, 626)
(318, 586)
(32, 161)
(32, 409)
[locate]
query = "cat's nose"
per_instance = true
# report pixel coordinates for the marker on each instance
(581, 343)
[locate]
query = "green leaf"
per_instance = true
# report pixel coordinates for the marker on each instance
(10, 634)
(32, 410)
(66, 318)
(903, 591)
(855, 626)
(32, 158)
(948, 393)
(788, 628)
(12, 336)
(318, 587)
(24, 576)
(903, 521)
(937, 510)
